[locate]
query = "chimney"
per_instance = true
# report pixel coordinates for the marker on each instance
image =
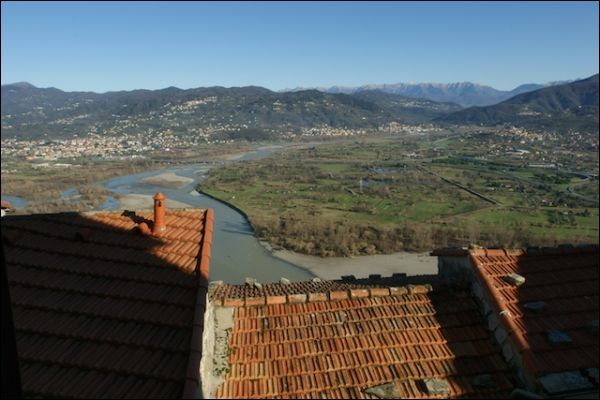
(6, 207)
(159, 214)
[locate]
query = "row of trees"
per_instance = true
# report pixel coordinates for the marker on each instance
(317, 236)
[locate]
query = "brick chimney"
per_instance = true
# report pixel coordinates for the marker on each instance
(159, 214)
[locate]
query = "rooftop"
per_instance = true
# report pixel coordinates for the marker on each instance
(496, 321)
(314, 290)
(102, 310)
(547, 300)
(334, 340)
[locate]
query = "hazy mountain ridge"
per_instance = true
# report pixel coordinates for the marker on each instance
(466, 94)
(29, 112)
(409, 109)
(571, 106)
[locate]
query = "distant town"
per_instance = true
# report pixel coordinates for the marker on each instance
(138, 145)
(513, 142)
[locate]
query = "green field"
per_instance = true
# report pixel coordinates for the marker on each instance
(381, 196)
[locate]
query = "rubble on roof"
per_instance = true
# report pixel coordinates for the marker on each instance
(535, 306)
(484, 381)
(514, 279)
(558, 337)
(562, 382)
(385, 391)
(436, 387)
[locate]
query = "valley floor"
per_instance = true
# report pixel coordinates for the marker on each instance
(385, 195)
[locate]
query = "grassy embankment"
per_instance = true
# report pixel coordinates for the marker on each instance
(312, 201)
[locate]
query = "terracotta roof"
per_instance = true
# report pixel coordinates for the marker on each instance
(5, 205)
(101, 310)
(351, 339)
(550, 317)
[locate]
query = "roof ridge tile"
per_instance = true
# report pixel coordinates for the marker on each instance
(333, 294)
(516, 252)
(554, 274)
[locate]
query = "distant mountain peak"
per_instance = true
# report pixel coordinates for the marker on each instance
(21, 85)
(465, 93)
(566, 107)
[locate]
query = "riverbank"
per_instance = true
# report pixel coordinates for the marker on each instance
(360, 266)
(228, 204)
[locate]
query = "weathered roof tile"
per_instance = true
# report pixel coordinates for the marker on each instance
(347, 344)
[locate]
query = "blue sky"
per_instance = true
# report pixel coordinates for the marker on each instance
(106, 46)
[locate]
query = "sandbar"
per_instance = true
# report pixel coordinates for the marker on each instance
(168, 180)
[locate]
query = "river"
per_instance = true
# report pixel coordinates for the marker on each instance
(236, 253)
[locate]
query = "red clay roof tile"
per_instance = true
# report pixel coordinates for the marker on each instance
(566, 280)
(340, 347)
(101, 310)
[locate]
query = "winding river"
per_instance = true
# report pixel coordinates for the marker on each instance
(236, 253)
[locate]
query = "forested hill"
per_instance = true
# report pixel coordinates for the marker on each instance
(562, 108)
(29, 112)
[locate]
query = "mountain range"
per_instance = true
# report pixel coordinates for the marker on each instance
(466, 94)
(31, 112)
(561, 108)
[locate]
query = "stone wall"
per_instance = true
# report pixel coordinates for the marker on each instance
(458, 270)
(218, 322)
(455, 270)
